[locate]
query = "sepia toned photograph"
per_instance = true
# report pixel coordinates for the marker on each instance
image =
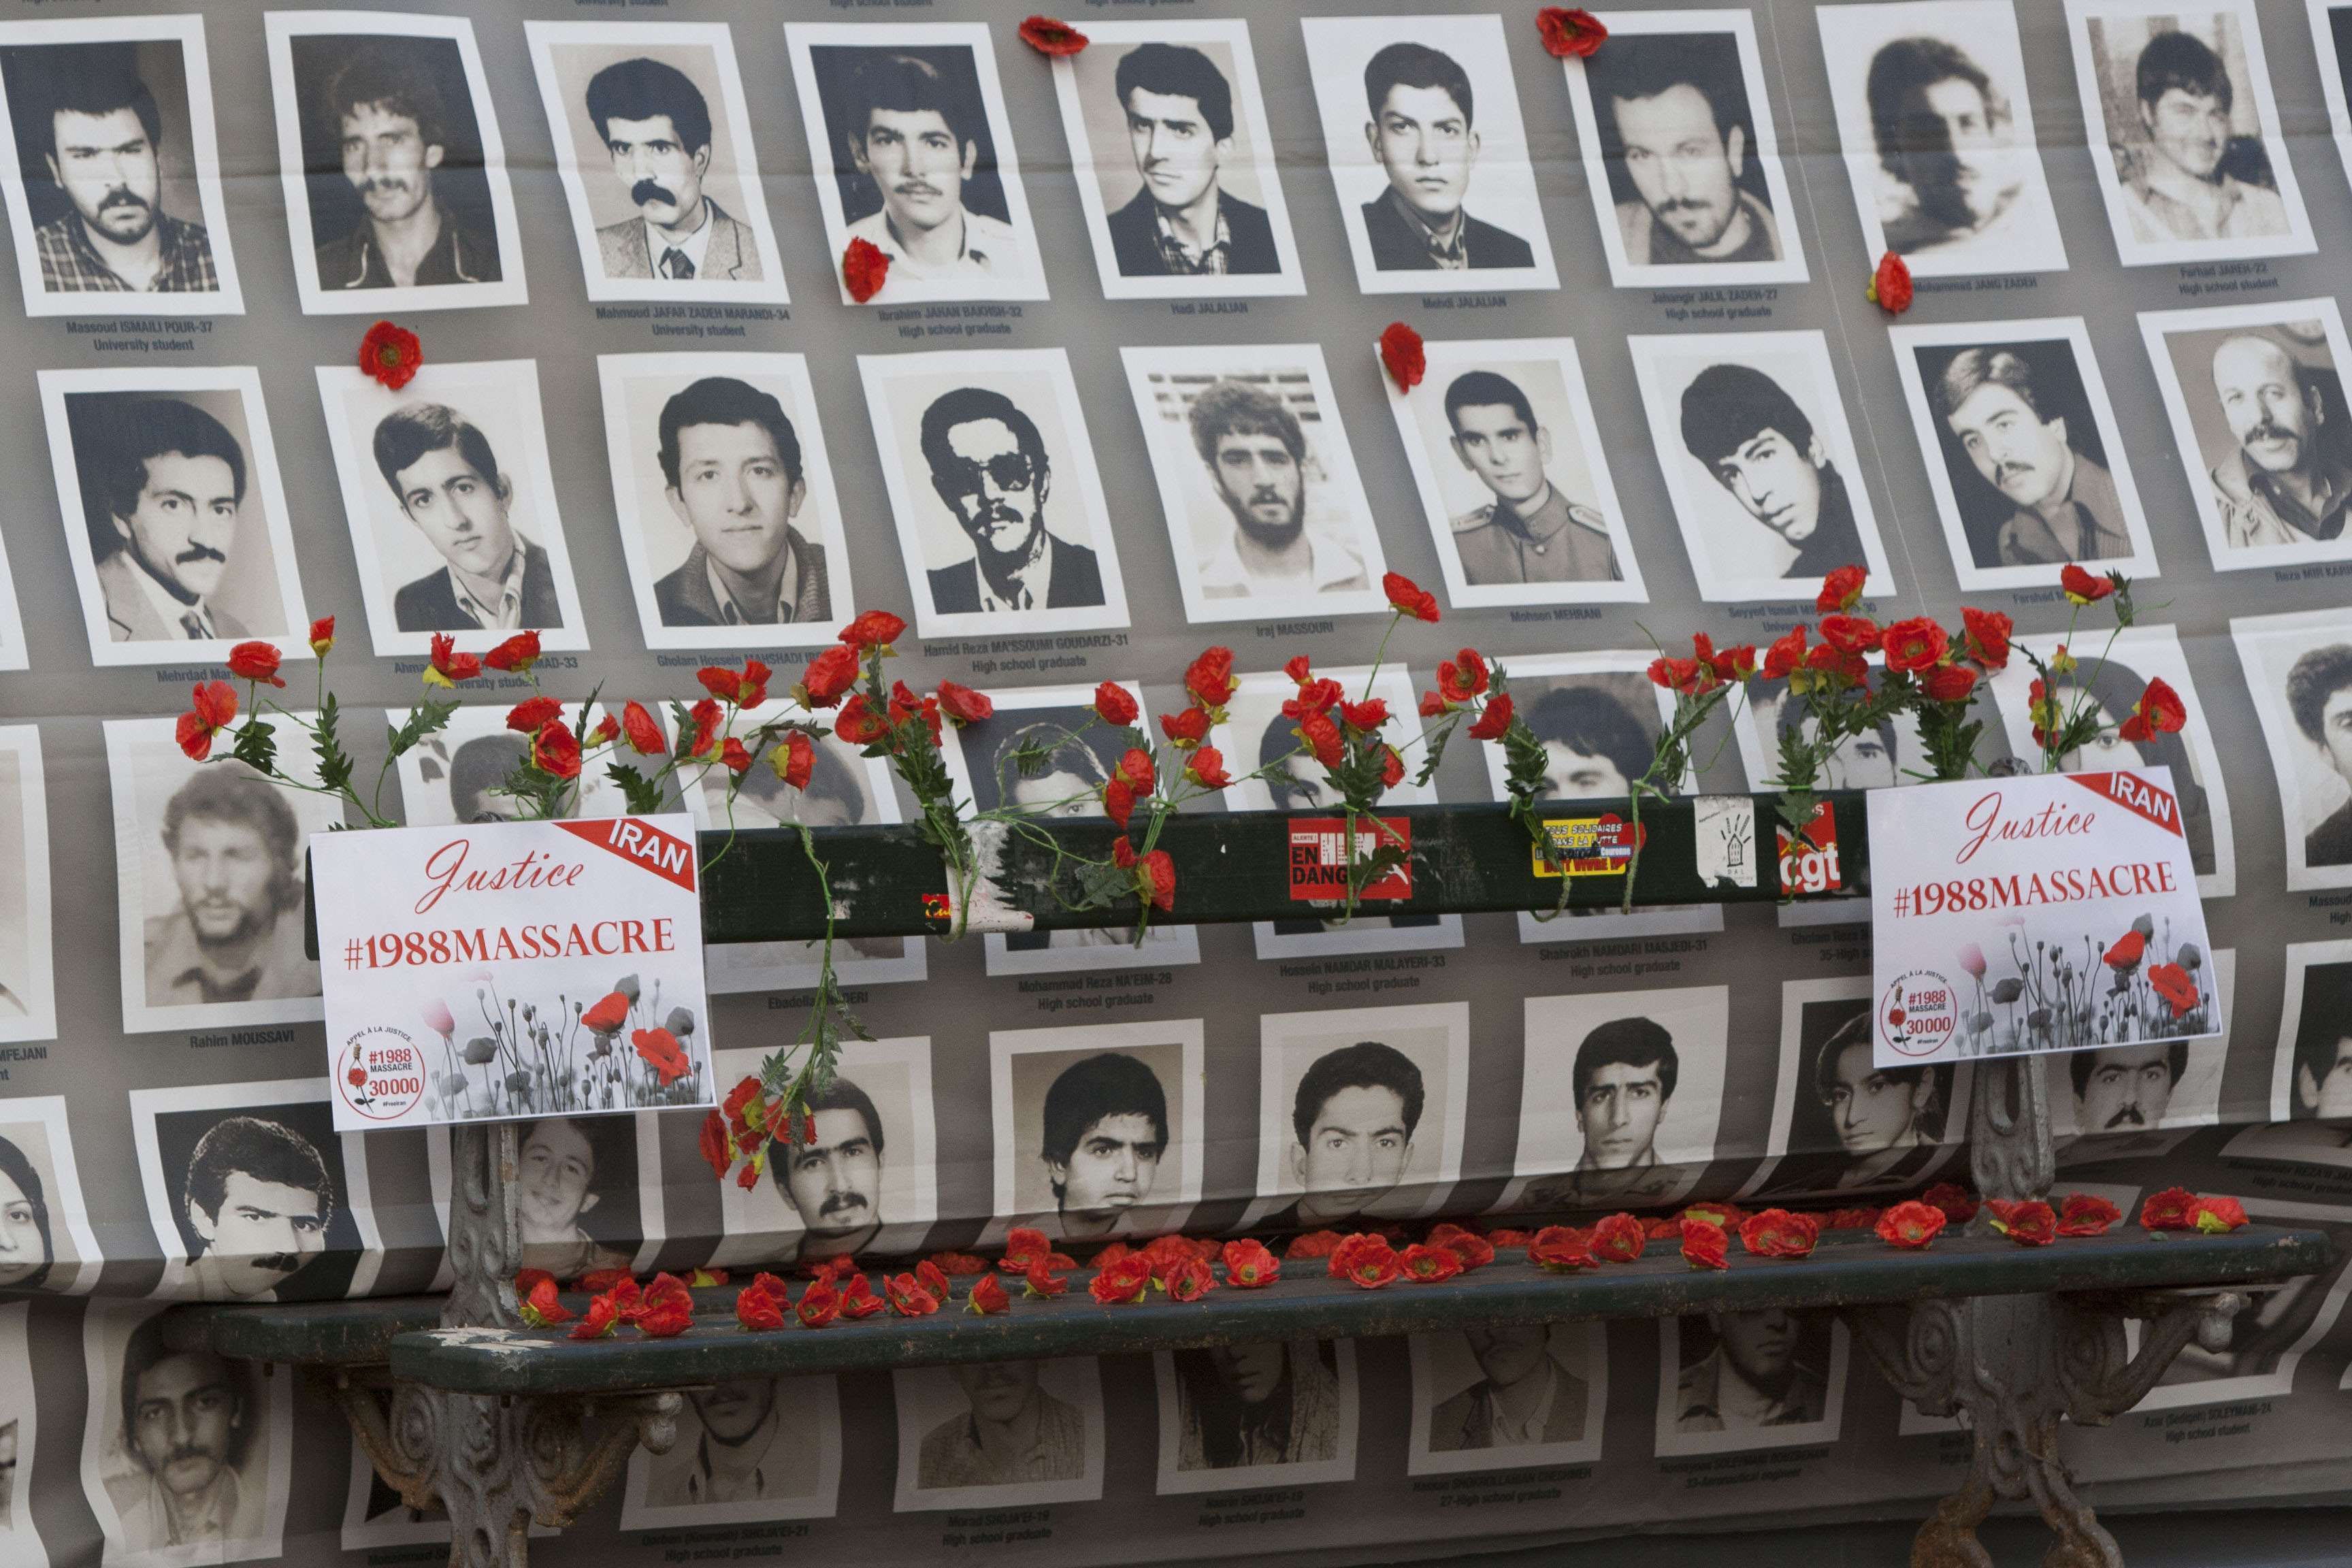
(46, 1239)
(2299, 667)
(1428, 153)
(1770, 1378)
(867, 1183)
(1506, 1396)
(999, 1433)
(28, 991)
(1750, 430)
(181, 540)
(653, 146)
(1359, 1114)
(186, 1457)
(1513, 476)
(2022, 451)
(451, 502)
(730, 521)
(1175, 163)
(909, 120)
(1266, 514)
(252, 1194)
(396, 191)
(1680, 152)
(2256, 397)
(1097, 1128)
(1256, 734)
(2191, 158)
(748, 1449)
(1842, 1124)
(1621, 1098)
(1279, 1413)
(1937, 129)
(210, 867)
(115, 188)
(1002, 518)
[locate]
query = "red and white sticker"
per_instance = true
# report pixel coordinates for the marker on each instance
(1809, 858)
(1318, 858)
(381, 1073)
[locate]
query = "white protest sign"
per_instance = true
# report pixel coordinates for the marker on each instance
(2049, 913)
(513, 969)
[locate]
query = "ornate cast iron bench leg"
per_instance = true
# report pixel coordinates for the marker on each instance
(498, 1465)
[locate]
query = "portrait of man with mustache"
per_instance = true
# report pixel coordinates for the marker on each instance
(237, 934)
(192, 1425)
(99, 134)
(382, 113)
(2012, 411)
(913, 130)
(258, 1200)
(163, 482)
(2286, 476)
(656, 124)
(990, 467)
(1675, 126)
(1255, 450)
(832, 1179)
(2126, 1089)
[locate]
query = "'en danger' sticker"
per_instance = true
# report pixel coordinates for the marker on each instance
(1319, 857)
(1586, 846)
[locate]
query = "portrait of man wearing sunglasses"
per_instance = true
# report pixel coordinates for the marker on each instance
(990, 467)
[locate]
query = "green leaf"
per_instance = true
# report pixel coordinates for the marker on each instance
(643, 795)
(334, 766)
(428, 717)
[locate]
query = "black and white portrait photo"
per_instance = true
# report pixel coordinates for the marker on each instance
(654, 144)
(181, 540)
(1771, 1378)
(2299, 667)
(999, 1433)
(986, 759)
(1840, 1124)
(252, 1194)
(1599, 717)
(1428, 153)
(2191, 161)
(451, 502)
(589, 1191)
(45, 1240)
(1359, 1114)
(1620, 1099)
(396, 192)
(729, 516)
(29, 994)
(1498, 1397)
(2311, 1076)
(748, 1448)
(186, 1457)
(1278, 1413)
(868, 1184)
(1266, 512)
(115, 187)
(1175, 163)
(1001, 513)
(2111, 677)
(460, 773)
(1097, 1128)
(1759, 462)
(843, 790)
(2256, 397)
(2269, 1335)
(19, 1430)
(1937, 130)
(1258, 735)
(1680, 152)
(909, 120)
(2331, 44)
(210, 866)
(1513, 476)
(2022, 451)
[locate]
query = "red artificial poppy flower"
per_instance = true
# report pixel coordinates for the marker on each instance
(556, 750)
(1462, 677)
(864, 266)
(667, 1320)
(1953, 1199)
(1323, 739)
(1250, 1266)
(1123, 1282)
(2028, 1224)
(745, 687)
(1914, 645)
(1118, 802)
(1048, 37)
(859, 724)
(255, 661)
(794, 760)
(1114, 704)
(1851, 634)
(857, 1297)
(756, 1308)
(734, 756)
(1364, 717)
(391, 355)
(2158, 711)
(532, 714)
(1890, 285)
(1209, 678)
(1188, 1279)
(1425, 1264)
(2175, 985)
(1787, 653)
(660, 1050)
(962, 705)
(829, 675)
(322, 635)
(1161, 871)
(1911, 1225)
(2216, 1216)
(1041, 1280)
(517, 653)
(539, 1307)
(2081, 588)
(988, 1298)
(1861, 1216)
(1187, 728)
(1403, 357)
(1949, 683)
(908, 1298)
(1675, 674)
(1567, 32)
(1561, 1250)
(1022, 1246)
(597, 1281)
(1988, 633)
(875, 629)
(1502, 1236)
(1392, 767)
(1618, 1238)
(1706, 1246)
(1299, 668)
(718, 1148)
(1777, 1233)
(1494, 719)
(2126, 951)
(213, 707)
(2083, 1214)
(602, 1317)
(1313, 1244)
(1365, 1261)
(448, 666)
(1735, 663)
(1207, 769)
(1842, 589)
(1409, 597)
(1475, 1251)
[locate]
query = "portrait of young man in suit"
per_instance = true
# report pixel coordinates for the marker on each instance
(656, 124)
(1180, 127)
(732, 467)
(449, 485)
(1421, 133)
(989, 466)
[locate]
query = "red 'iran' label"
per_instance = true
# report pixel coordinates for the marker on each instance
(2136, 795)
(640, 843)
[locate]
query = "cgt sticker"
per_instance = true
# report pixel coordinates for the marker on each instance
(1586, 846)
(1809, 856)
(1318, 858)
